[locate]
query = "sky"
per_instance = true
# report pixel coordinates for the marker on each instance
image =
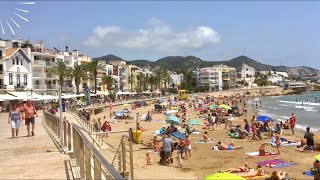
(273, 32)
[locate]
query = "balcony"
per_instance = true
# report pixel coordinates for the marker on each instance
(51, 76)
(50, 63)
(39, 62)
(18, 87)
(37, 74)
(52, 86)
(3, 86)
(67, 89)
(42, 86)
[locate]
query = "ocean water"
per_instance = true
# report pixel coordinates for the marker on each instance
(306, 108)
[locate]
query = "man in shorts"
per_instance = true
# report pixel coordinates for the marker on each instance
(30, 113)
(167, 147)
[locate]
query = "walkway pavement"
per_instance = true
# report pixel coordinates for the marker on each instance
(34, 157)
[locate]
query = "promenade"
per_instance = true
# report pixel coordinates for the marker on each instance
(34, 157)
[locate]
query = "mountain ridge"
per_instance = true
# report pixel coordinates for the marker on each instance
(174, 63)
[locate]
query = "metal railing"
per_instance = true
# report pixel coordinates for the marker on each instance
(39, 62)
(92, 164)
(37, 74)
(52, 86)
(39, 86)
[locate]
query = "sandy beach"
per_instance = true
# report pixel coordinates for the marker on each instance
(206, 161)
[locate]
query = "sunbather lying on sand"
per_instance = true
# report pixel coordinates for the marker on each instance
(258, 172)
(231, 146)
(263, 151)
(244, 168)
(278, 176)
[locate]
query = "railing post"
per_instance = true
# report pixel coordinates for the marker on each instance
(69, 136)
(131, 154)
(64, 133)
(97, 168)
(87, 163)
(124, 164)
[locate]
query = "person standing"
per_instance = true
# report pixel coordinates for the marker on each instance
(30, 113)
(309, 137)
(187, 147)
(292, 122)
(14, 119)
(278, 141)
(167, 147)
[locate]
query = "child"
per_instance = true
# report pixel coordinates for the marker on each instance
(179, 159)
(149, 159)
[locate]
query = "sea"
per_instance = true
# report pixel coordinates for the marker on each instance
(306, 108)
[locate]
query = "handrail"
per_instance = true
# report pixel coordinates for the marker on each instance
(97, 154)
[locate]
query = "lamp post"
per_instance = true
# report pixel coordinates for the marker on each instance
(60, 115)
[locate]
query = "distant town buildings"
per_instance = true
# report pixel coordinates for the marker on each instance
(247, 71)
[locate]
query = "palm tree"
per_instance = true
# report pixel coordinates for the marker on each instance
(131, 80)
(78, 72)
(166, 78)
(94, 67)
(61, 70)
(107, 80)
(153, 80)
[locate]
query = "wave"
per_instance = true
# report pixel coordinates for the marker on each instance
(285, 105)
(303, 127)
(304, 103)
(306, 108)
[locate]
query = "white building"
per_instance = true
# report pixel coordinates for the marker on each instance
(275, 78)
(247, 71)
(216, 78)
(177, 79)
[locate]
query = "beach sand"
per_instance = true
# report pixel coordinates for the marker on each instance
(206, 161)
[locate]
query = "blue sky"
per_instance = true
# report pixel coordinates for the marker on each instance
(272, 32)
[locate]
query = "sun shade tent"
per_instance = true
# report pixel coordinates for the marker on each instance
(264, 118)
(173, 120)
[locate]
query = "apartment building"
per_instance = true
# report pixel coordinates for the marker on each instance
(216, 78)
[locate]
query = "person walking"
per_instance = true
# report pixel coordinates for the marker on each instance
(292, 122)
(167, 147)
(14, 119)
(30, 113)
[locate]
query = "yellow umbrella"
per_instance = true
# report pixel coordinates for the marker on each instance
(163, 104)
(225, 176)
(174, 108)
(125, 105)
(223, 106)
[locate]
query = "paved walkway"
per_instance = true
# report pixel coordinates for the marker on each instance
(34, 157)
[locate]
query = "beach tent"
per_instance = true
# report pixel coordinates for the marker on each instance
(173, 120)
(264, 118)
(194, 122)
(223, 106)
(226, 176)
(317, 157)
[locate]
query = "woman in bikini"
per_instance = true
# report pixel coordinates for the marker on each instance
(258, 172)
(244, 168)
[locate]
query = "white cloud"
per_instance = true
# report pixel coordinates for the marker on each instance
(156, 36)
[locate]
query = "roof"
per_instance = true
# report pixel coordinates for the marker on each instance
(9, 52)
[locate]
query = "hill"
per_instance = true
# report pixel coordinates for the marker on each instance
(174, 63)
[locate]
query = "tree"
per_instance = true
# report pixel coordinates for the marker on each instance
(61, 70)
(94, 67)
(166, 78)
(108, 81)
(131, 80)
(78, 72)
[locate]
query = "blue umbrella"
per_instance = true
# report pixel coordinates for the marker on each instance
(161, 101)
(264, 118)
(213, 107)
(173, 120)
(194, 122)
(119, 114)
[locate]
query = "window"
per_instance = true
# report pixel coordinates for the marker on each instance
(13, 62)
(18, 79)
(25, 79)
(0, 53)
(21, 62)
(17, 60)
(10, 79)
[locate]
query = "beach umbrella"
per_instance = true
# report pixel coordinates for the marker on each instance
(213, 107)
(173, 120)
(119, 114)
(264, 118)
(125, 111)
(161, 101)
(201, 109)
(163, 104)
(317, 157)
(223, 106)
(171, 112)
(174, 108)
(194, 122)
(218, 176)
(125, 105)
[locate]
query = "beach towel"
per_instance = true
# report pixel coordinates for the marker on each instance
(178, 135)
(285, 144)
(257, 154)
(308, 173)
(276, 163)
(200, 141)
(155, 121)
